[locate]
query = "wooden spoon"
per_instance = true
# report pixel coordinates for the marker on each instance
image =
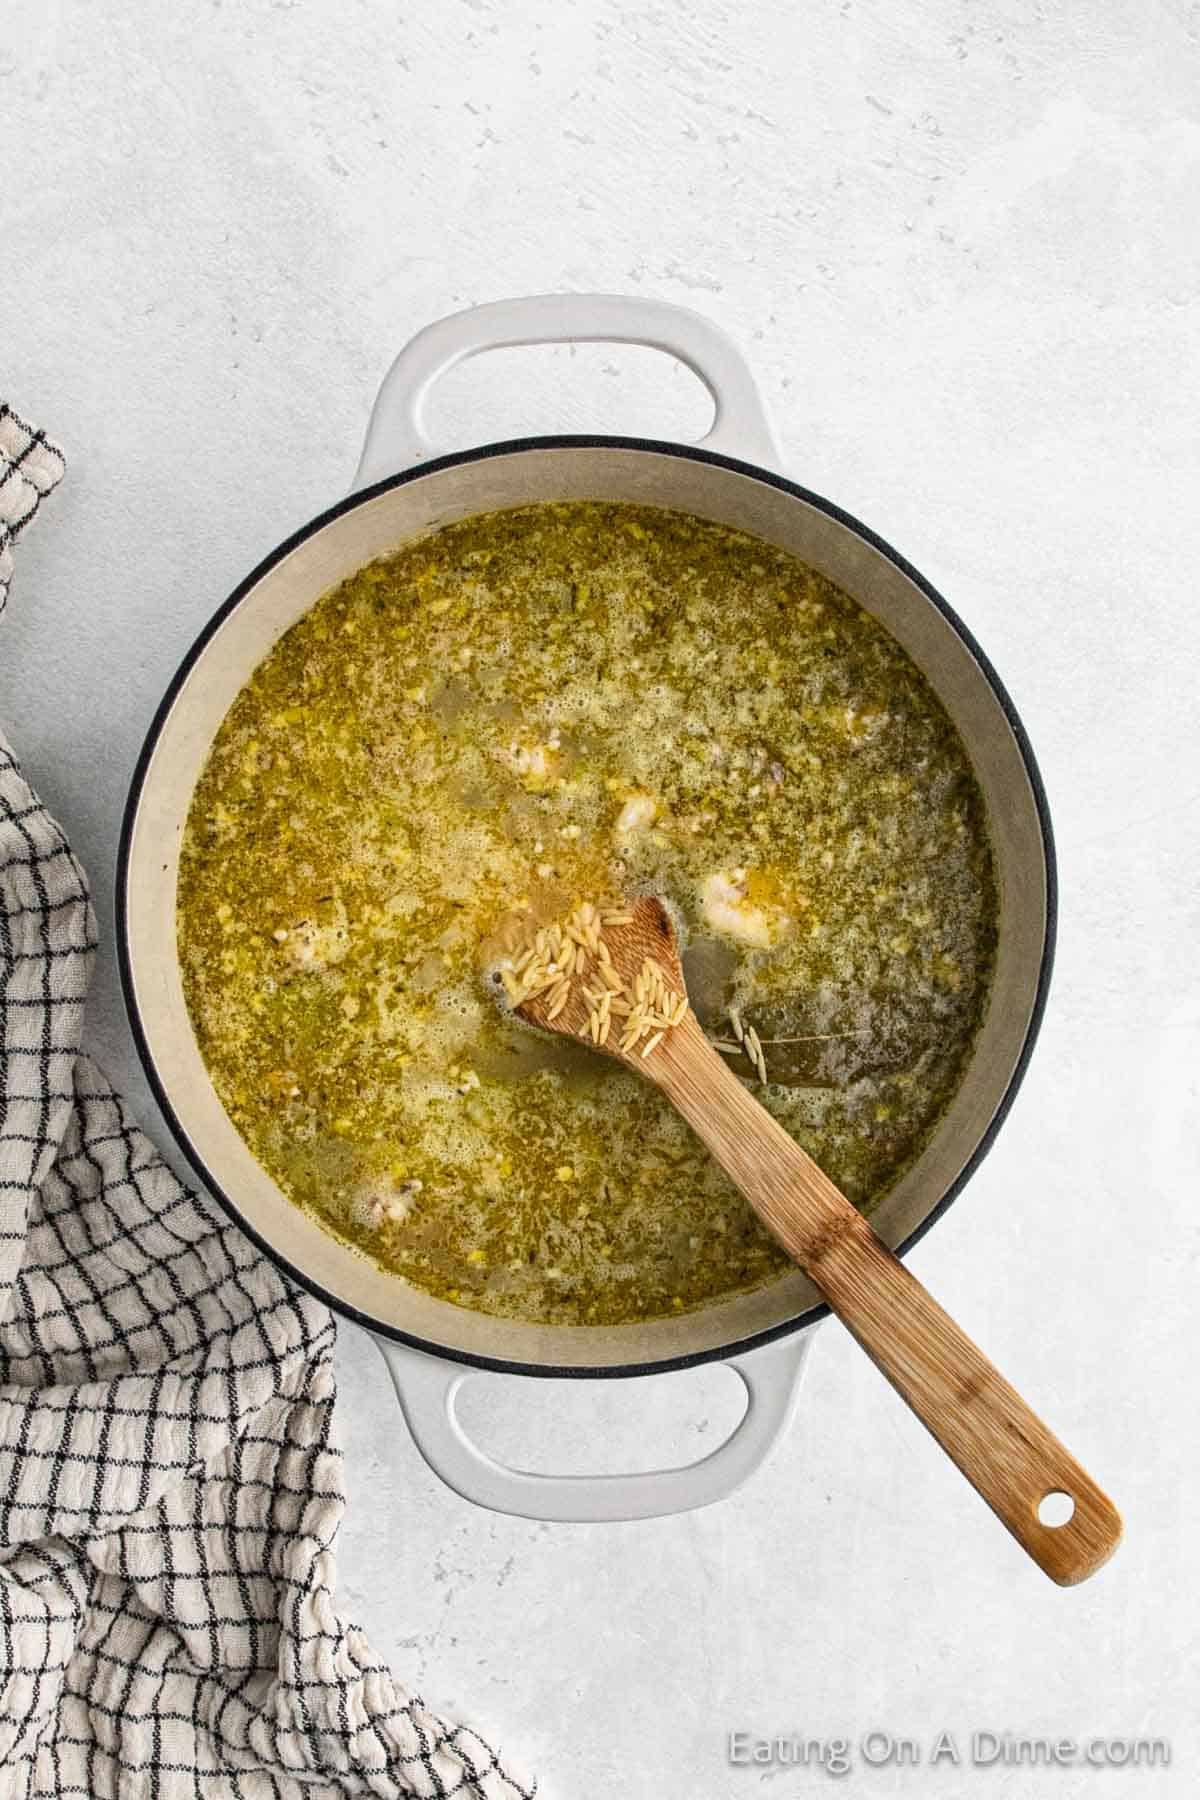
(982, 1423)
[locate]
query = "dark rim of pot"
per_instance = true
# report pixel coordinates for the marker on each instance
(506, 448)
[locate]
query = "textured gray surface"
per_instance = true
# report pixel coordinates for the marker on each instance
(959, 242)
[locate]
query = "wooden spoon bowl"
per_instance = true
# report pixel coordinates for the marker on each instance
(631, 953)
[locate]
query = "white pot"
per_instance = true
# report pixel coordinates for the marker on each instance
(731, 478)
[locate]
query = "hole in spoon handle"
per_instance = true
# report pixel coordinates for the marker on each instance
(1056, 1508)
(1073, 1528)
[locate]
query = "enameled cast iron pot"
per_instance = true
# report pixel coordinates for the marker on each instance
(401, 492)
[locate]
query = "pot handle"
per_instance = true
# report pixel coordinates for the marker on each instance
(428, 1387)
(396, 437)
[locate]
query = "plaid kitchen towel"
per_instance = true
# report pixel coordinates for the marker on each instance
(170, 1491)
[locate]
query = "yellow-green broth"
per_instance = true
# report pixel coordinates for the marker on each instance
(578, 701)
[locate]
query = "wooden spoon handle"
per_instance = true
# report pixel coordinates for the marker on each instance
(982, 1423)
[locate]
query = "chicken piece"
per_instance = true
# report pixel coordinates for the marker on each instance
(384, 1202)
(638, 814)
(536, 766)
(726, 907)
(310, 946)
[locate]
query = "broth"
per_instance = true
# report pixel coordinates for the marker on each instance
(520, 710)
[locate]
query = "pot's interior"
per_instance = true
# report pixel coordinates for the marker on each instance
(369, 529)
